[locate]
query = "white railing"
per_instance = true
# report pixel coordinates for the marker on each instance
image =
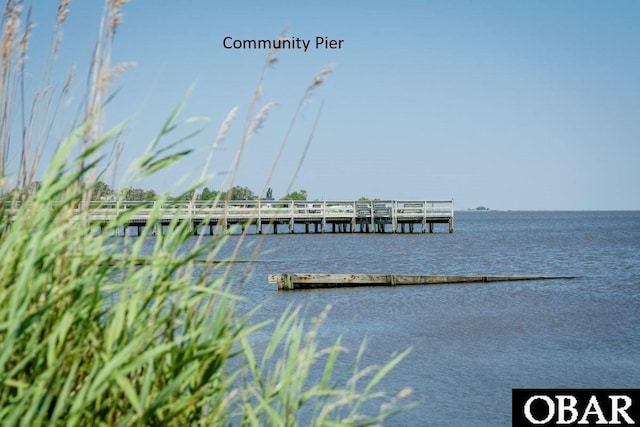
(267, 210)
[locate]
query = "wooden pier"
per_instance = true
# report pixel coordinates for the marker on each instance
(264, 216)
(288, 282)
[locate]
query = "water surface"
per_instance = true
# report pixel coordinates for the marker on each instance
(471, 344)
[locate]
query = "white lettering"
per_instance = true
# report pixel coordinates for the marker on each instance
(550, 405)
(617, 410)
(567, 404)
(593, 408)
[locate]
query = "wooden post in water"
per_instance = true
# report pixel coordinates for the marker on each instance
(317, 281)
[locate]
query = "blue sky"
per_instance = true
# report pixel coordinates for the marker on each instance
(510, 105)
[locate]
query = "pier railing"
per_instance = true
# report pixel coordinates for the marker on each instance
(368, 215)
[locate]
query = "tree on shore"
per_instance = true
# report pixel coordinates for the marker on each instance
(208, 194)
(102, 191)
(138, 194)
(239, 193)
(296, 195)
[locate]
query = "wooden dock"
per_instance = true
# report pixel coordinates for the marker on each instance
(289, 282)
(264, 216)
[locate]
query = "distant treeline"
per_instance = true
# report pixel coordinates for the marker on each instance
(103, 192)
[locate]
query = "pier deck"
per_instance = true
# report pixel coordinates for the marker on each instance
(264, 216)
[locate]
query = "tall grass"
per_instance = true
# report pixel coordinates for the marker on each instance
(91, 337)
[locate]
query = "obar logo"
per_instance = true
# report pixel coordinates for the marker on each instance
(575, 407)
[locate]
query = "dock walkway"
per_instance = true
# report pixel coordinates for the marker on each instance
(263, 216)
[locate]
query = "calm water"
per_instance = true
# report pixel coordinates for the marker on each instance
(473, 343)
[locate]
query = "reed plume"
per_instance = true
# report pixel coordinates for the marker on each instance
(11, 26)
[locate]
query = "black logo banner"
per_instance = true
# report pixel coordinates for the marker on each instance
(575, 407)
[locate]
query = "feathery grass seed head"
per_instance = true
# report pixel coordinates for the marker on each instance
(11, 20)
(260, 118)
(225, 126)
(112, 73)
(26, 35)
(63, 11)
(115, 17)
(319, 78)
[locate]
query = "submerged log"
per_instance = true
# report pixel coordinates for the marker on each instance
(289, 281)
